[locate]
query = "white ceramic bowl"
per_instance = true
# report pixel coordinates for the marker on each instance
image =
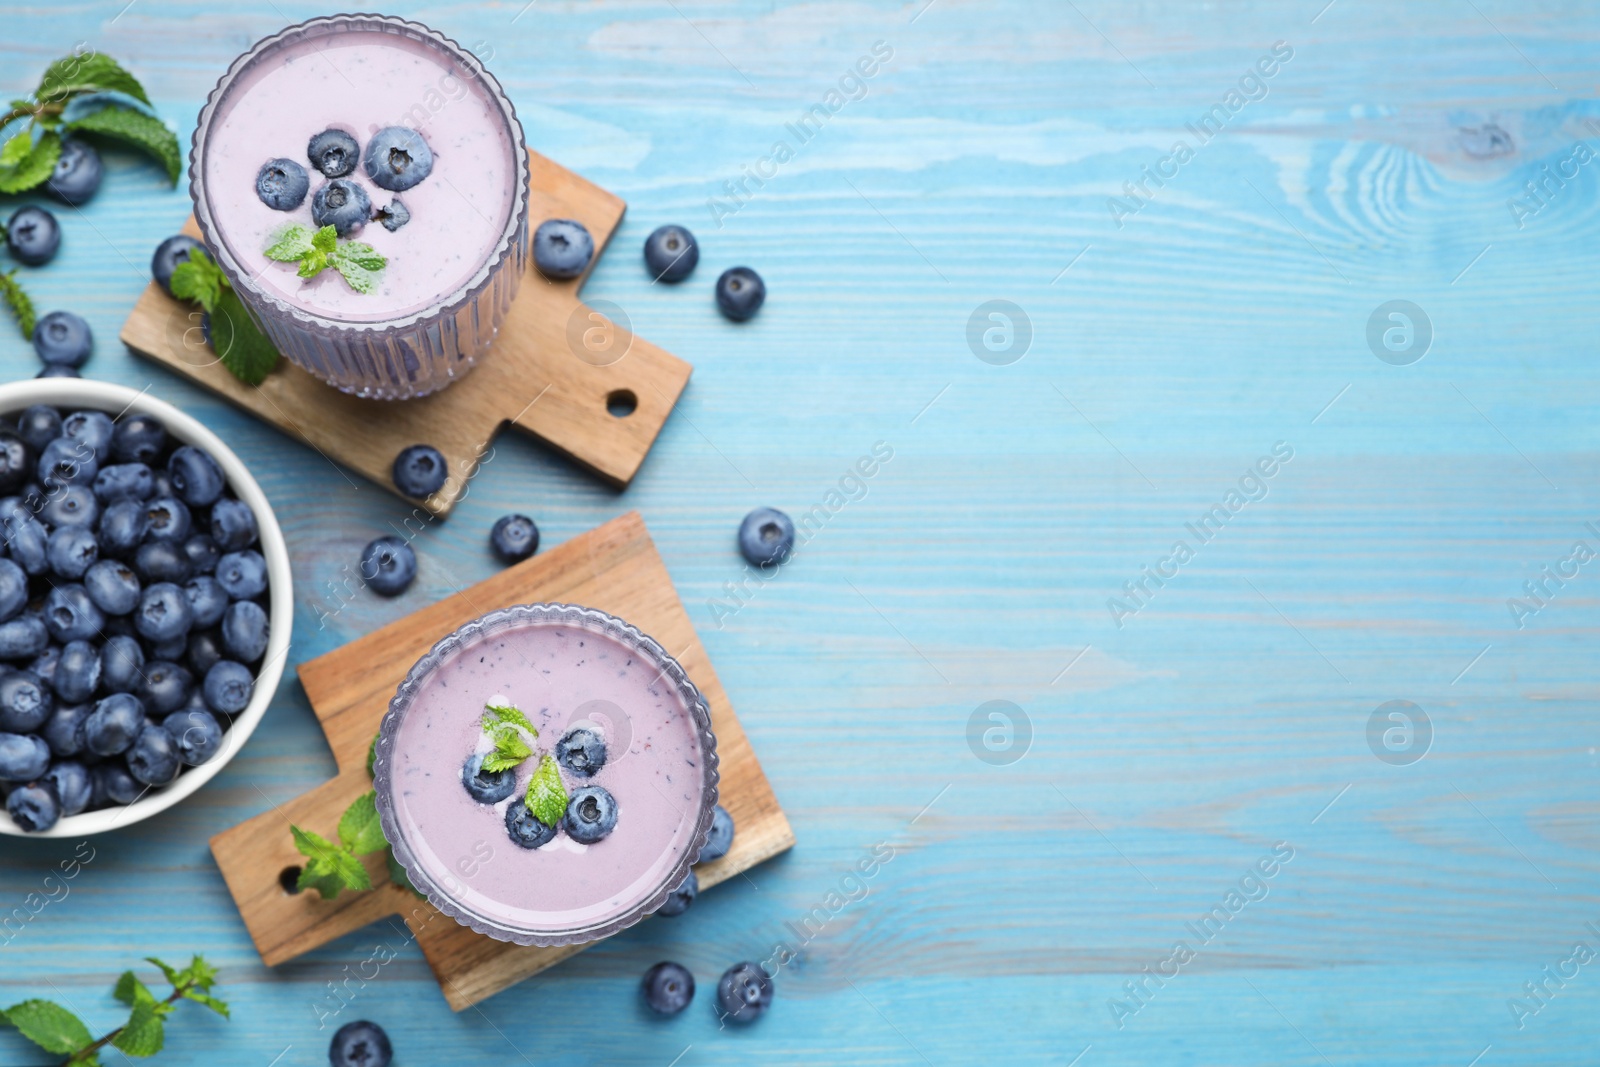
(116, 400)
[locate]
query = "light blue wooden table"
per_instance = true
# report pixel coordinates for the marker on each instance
(1171, 335)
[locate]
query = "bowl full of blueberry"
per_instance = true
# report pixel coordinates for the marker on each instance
(145, 606)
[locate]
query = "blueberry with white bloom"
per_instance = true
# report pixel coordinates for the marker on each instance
(121, 664)
(23, 637)
(487, 787)
(228, 687)
(168, 517)
(164, 687)
(62, 339)
(23, 757)
(679, 899)
(720, 838)
(70, 615)
(245, 631)
(197, 479)
(70, 505)
(63, 730)
(67, 462)
(242, 574)
(397, 158)
(113, 724)
(112, 587)
(13, 589)
(169, 253)
(70, 781)
(113, 783)
(93, 428)
(161, 561)
(197, 734)
(282, 184)
(334, 153)
(233, 524)
(33, 807)
(203, 554)
(591, 815)
(342, 204)
(153, 756)
(25, 702)
(77, 673)
(124, 481)
(562, 248)
(123, 526)
(207, 600)
(163, 613)
(38, 425)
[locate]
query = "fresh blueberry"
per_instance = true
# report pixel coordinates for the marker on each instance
(160, 483)
(161, 561)
(77, 672)
(44, 664)
(124, 525)
(668, 988)
(72, 550)
(93, 428)
(334, 153)
(124, 481)
(39, 425)
(360, 1044)
(228, 687)
(420, 471)
(487, 787)
(13, 589)
(242, 574)
(203, 554)
(25, 702)
(766, 536)
(720, 839)
(63, 339)
(679, 899)
(121, 664)
(207, 600)
(67, 462)
(397, 158)
(388, 565)
(112, 587)
(23, 637)
(392, 217)
(32, 496)
(112, 782)
(23, 757)
(671, 253)
(591, 815)
(168, 255)
(740, 293)
(342, 204)
(245, 631)
(282, 184)
(197, 734)
(523, 828)
(70, 615)
(70, 505)
(57, 370)
(33, 807)
(63, 730)
(32, 236)
(581, 751)
(70, 780)
(168, 519)
(16, 462)
(233, 524)
(164, 688)
(113, 724)
(170, 649)
(138, 439)
(153, 757)
(562, 248)
(205, 649)
(514, 538)
(744, 993)
(196, 478)
(163, 613)
(28, 543)
(76, 175)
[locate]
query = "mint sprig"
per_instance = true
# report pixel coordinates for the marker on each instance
(361, 264)
(332, 868)
(235, 337)
(511, 733)
(547, 795)
(58, 1031)
(87, 93)
(17, 301)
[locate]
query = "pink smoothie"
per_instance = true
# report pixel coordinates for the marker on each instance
(557, 674)
(361, 82)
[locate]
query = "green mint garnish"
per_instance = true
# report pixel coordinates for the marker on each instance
(17, 301)
(331, 868)
(510, 731)
(235, 337)
(360, 263)
(547, 796)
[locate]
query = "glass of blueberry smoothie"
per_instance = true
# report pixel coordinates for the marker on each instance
(546, 775)
(363, 183)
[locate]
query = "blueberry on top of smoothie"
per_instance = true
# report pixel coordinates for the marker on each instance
(392, 217)
(342, 204)
(398, 158)
(487, 787)
(282, 184)
(591, 815)
(581, 752)
(334, 153)
(525, 829)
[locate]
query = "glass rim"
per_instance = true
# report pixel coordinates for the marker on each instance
(571, 614)
(325, 325)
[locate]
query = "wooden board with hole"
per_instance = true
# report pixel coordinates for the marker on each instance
(559, 370)
(614, 568)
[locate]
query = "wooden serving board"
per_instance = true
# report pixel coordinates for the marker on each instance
(614, 568)
(556, 370)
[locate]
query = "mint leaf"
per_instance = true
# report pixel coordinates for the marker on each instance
(24, 164)
(135, 128)
(199, 973)
(361, 255)
(504, 760)
(144, 1033)
(312, 845)
(292, 244)
(495, 714)
(331, 868)
(220, 1007)
(172, 975)
(197, 278)
(359, 278)
(49, 1025)
(18, 302)
(547, 796)
(313, 263)
(86, 73)
(131, 991)
(325, 239)
(239, 342)
(359, 828)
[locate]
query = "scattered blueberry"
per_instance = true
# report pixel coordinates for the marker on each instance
(744, 993)
(581, 751)
(63, 338)
(13, 589)
(196, 478)
(360, 1044)
(161, 561)
(33, 807)
(72, 550)
(420, 471)
(514, 538)
(163, 613)
(388, 565)
(591, 815)
(112, 587)
(75, 178)
(342, 204)
(138, 439)
(740, 293)
(28, 542)
(233, 524)
(112, 782)
(168, 255)
(153, 756)
(67, 462)
(121, 665)
(70, 781)
(243, 574)
(164, 687)
(207, 600)
(70, 615)
(766, 536)
(392, 217)
(334, 153)
(23, 637)
(39, 425)
(93, 428)
(487, 787)
(16, 462)
(562, 248)
(124, 481)
(25, 702)
(397, 158)
(197, 734)
(77, 672)
(523, 828)
(720, 838)
(32, 236)
(679, 899)
(245, 631)
(113, 724)
(63, 730)
(203, 553)
(72, 505)
(23, 757)
(668, 988)
(228, 687)
(282, 184)
(123, 526)
(168, 518)
(671, 253)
